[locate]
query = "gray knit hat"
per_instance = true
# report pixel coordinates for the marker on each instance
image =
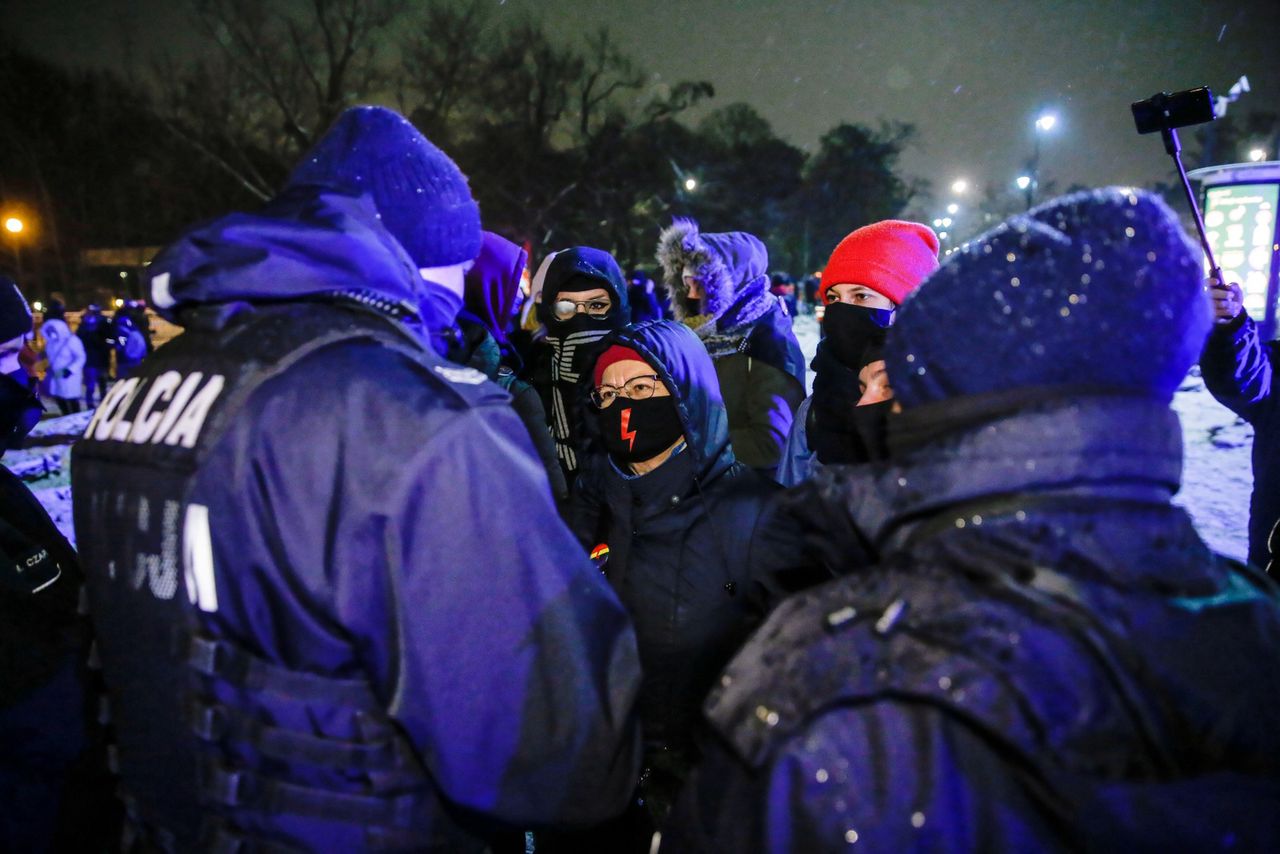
(420, 194)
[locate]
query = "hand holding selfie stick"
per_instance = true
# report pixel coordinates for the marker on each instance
(1166, 113)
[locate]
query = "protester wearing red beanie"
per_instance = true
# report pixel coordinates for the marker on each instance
(891, 257)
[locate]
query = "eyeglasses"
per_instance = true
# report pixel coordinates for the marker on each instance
(636, 388)
(563, 309)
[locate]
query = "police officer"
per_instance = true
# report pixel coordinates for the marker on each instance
(320, 625)
(1047, 657)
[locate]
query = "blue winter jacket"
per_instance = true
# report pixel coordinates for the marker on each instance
(373, 515)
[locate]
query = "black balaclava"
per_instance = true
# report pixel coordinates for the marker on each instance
(638, 430)
(575, 341)
(837, 431)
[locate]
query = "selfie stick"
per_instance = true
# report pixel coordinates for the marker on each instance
(1174, 146)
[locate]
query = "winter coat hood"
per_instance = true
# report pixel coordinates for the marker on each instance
(733, 268)
(684, 367)
(583, 268)
(493, 284)
(308, 243)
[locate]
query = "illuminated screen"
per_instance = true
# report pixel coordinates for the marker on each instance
(1240, 221)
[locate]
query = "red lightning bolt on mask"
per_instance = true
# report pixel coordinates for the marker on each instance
(629, 435)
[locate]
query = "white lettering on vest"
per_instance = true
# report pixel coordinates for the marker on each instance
(104, 409)
(187, 430)
(176, 406)
(197, 558)
(118, 408)
(146, 422)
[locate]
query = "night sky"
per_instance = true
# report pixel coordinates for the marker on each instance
(970, 74)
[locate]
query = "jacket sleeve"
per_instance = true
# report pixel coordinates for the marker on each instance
(772, 399)
(518, 670)
(798, 459)
(1236, 367)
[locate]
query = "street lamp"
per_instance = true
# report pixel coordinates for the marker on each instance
(1023, 182)
(13, 225)
(1044, 123)
(953, 208)
(691, 183)
(1257, 155)
(959, 185)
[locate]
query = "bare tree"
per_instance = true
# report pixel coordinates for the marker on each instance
(276, 77)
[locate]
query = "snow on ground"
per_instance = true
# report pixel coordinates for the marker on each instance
(1216, 479)
(1217, 476)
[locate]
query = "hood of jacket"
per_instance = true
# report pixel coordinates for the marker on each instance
(733, 268)
(493, 283)
(1096, 447)
(682, 363)
(307, 243)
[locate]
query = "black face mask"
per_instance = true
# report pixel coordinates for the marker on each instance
(849, 329)
(637, 430)
(19, 409)
(870, 423)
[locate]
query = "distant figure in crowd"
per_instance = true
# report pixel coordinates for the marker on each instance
(136, 311)
(642, 293)
(784, 288)
(583, 298)
(492, 300)
(672, 515)
(811, 283)
(95, 333)
(868, 276)
(720, 288)
(54, 788)
(1238, 369)
(1047, 656)
(66, 355)
(130, 343)
(339, 640)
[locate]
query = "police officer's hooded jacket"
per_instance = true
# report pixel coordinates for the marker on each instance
(1047, 656)
(682, 544)
(322, 622)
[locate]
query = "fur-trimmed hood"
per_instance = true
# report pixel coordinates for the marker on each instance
(733, 268)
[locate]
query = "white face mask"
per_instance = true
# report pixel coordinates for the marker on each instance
(450, 278)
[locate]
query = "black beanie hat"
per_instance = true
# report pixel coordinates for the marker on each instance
(1099, 288)
(15, 314)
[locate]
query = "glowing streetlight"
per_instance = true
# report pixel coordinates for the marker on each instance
(959, 185)
(1023, 182)
(946, 222)
(37, 305)
(1257, 155)
(691, 184)
(1046, 121)
(942, 235)
(119, 303)
(953, 208)
(937, 223)
(13, 225)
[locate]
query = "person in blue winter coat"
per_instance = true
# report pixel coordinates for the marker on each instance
(1238, 369)
(1045, 656)
(321, 621)
(719, 286)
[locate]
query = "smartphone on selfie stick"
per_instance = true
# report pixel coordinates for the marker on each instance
(1166, 112)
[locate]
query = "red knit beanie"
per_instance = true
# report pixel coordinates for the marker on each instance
(616, 353)
(892, 257)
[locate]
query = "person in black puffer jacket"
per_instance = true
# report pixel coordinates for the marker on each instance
(672, 516)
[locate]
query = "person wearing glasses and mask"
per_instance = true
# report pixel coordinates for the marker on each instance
(583, 298)
(671, 516)
(868, 276)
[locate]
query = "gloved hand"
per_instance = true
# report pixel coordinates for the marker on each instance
(1227, 300)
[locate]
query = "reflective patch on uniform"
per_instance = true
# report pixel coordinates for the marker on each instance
(197, 558)
(467, 376)
(173, 410)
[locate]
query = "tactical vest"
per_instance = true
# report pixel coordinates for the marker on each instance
(202, 765)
